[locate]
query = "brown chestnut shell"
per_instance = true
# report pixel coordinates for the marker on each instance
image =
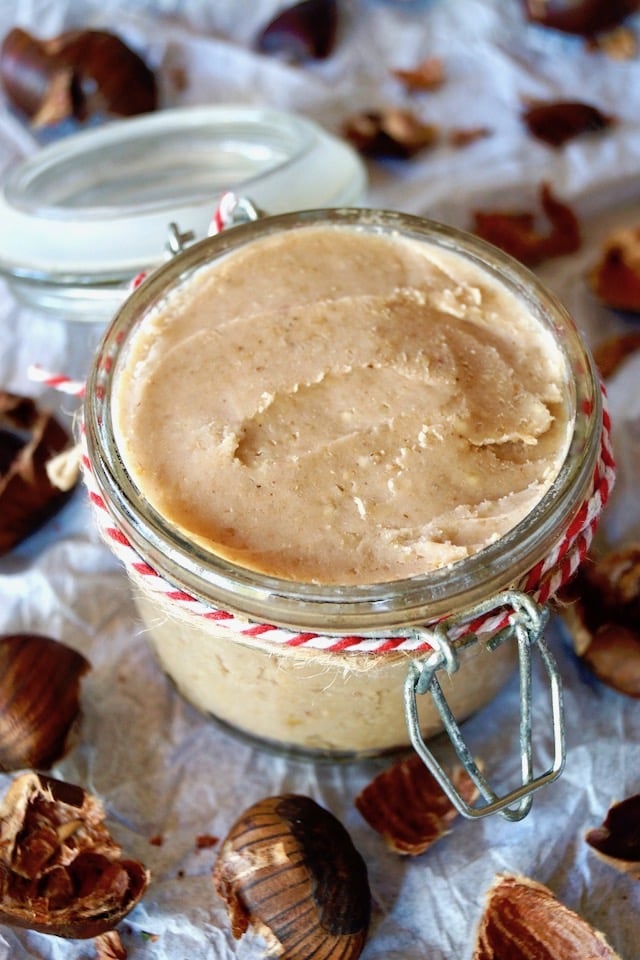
(582, 17)
(30, 438)
(39, 700)
(617, 840)
(407, 806)
(524, 919)
(289, 870)
(516, 232)
(390, 133)
(559, 121)
(601, 608)
(61, 873)
(614, 279)
(300, 32)
(611, 353)
(77, 74)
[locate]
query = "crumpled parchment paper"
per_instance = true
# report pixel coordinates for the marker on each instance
(163, 770)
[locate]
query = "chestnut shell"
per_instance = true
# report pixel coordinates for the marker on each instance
(29, 438)
(523, 919)
(78, 74)
(617, 840)
(61, 873)
(601, 607)
(302, 31)
(581, 17)
(407, 806)
(39, 699)
(289, 870)
(615, 278)
(560, 121)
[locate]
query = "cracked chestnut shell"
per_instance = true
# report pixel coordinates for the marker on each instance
(78, 74)
(523, 920)
(559, 121)
(289, 870)
(617, 840)
(517, 232)
(300, 32)
(615, 277)
(582, 17)
(39, 699)
(407, 806)
(61, 873)
(392, 133)
(29, 438)
(601, 609)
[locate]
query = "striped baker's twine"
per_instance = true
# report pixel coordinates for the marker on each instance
(541, 583)
(56, 381)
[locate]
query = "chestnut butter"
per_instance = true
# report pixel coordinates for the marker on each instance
(333, 406)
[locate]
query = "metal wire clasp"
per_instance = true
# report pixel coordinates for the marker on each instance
(526, 623)
(231, 211)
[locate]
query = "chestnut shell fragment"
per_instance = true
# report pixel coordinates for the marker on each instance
(617, 840)
(29, 438)
(611, 353)
(559, 122)
(615, 277)
(582, 17)
(109, 946)
(523, 920)
(61, 873)
(392, 133)
(428, 74)
(78, 74)
(601, 607)
(516, 232)
(304, 31)
(407, 806)
(289, 870)
(39, 699)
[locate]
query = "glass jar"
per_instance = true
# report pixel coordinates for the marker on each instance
(333, 670)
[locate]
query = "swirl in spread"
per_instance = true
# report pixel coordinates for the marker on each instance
(333, 405)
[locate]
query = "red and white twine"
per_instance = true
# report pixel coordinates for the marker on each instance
(56, 381)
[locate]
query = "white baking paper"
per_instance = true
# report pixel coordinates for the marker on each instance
(163, 770)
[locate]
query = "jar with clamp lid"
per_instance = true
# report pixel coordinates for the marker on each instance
(348, 457)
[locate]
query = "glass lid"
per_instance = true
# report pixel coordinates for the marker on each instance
(83, 216)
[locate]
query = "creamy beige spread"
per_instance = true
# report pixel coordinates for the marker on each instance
(339, 406)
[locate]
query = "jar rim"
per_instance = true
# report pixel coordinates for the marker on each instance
(336, 608)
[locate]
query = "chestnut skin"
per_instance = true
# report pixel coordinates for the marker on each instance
(61, 873)
(289, 870)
